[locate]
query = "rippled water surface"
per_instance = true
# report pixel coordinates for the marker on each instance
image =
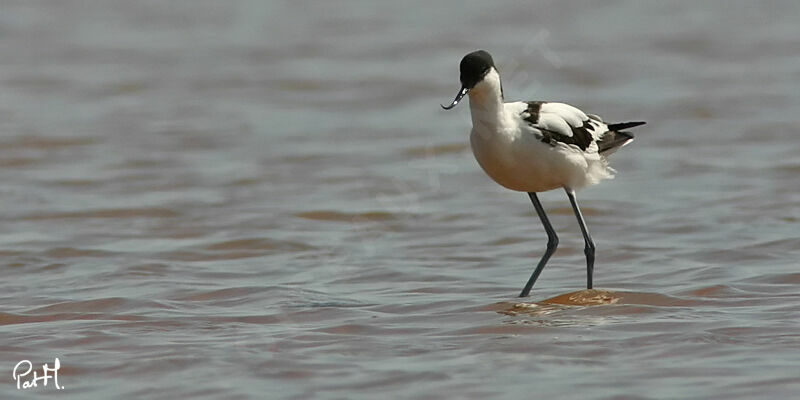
(248, 199)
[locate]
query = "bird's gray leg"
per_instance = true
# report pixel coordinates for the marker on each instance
(589, 249)
(552, 243)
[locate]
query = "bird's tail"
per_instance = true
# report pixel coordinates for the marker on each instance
(616, 138)
(624, 125)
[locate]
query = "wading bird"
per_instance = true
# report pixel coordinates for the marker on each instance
(536, 146)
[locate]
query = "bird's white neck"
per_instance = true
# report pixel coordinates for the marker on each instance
(486, 100)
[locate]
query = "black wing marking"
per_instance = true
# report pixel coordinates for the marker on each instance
(533, 111)
(581, 136)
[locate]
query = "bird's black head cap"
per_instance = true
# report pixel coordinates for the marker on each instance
(474, 66)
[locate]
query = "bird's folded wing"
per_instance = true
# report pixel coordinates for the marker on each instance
(553, 123)
(569, 114)
(562, 123)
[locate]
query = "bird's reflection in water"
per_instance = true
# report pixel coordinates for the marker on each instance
(554, 311)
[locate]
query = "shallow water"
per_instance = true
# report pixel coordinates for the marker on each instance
(264, 200)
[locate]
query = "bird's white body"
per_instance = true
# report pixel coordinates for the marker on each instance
(512, 152)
